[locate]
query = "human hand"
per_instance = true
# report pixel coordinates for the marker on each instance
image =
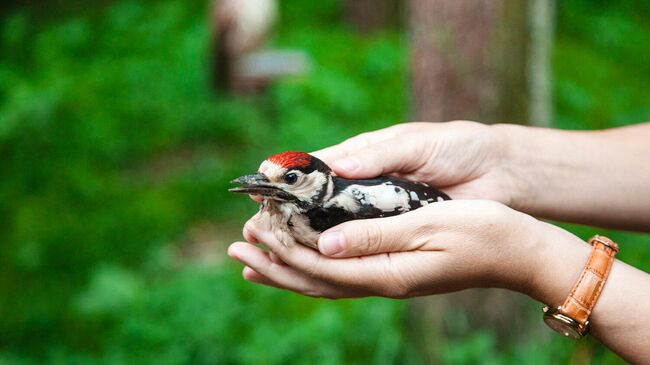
(465, 159)
(448, 246)
(443, 247)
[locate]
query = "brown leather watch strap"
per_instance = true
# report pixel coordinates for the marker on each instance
(585, 292)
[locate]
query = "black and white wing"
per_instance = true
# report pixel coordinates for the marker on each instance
(372, 198)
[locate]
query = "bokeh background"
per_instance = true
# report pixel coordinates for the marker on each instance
(115, 157)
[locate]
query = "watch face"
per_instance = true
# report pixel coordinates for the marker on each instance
(562, 327)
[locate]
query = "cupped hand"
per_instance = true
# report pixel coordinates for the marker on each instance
(467, 160)
(439, 248)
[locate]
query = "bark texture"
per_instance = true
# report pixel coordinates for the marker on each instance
(489, 61)
(486, 60)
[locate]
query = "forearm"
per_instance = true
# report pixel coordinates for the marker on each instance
(621, 316)
(593, 177)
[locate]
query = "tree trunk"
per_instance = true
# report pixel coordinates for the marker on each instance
(483, 60)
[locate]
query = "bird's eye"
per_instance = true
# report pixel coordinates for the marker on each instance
(290, 178)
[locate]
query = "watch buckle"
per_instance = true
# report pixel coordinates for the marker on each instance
(605, 241)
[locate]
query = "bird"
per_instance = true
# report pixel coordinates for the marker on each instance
(303, 197)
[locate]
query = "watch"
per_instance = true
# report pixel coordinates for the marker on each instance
(571, 319)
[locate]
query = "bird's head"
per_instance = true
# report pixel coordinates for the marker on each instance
(289, 177)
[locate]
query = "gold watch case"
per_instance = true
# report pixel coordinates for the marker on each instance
(564, 325)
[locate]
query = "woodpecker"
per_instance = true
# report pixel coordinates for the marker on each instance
(303, 198)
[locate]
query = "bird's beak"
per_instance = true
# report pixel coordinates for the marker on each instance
(258, 184)
(253, 179)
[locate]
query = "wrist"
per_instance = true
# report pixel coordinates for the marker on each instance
(543, 262)
(515, 256)
(560, 258)
(514, 165)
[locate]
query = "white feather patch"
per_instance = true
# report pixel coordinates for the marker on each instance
(386, 198)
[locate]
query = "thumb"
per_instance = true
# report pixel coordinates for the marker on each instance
(393, 155)
(364, 237)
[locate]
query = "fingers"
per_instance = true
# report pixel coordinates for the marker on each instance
(429, 250)
(251, 275)
(250, 238)
(258, 260)
(256, 198)
(388, 274)
(260, 269)
(276, 259)
(360, 275)
(371, 154)
(393, 155)
(372, 236)
(351, 145)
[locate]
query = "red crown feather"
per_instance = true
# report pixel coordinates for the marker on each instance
(291, 159)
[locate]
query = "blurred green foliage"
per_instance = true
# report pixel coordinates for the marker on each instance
(113, 144)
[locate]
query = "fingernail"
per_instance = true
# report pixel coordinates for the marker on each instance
(347, 164)
(231, 251)
(331, 243)
(248, 272)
